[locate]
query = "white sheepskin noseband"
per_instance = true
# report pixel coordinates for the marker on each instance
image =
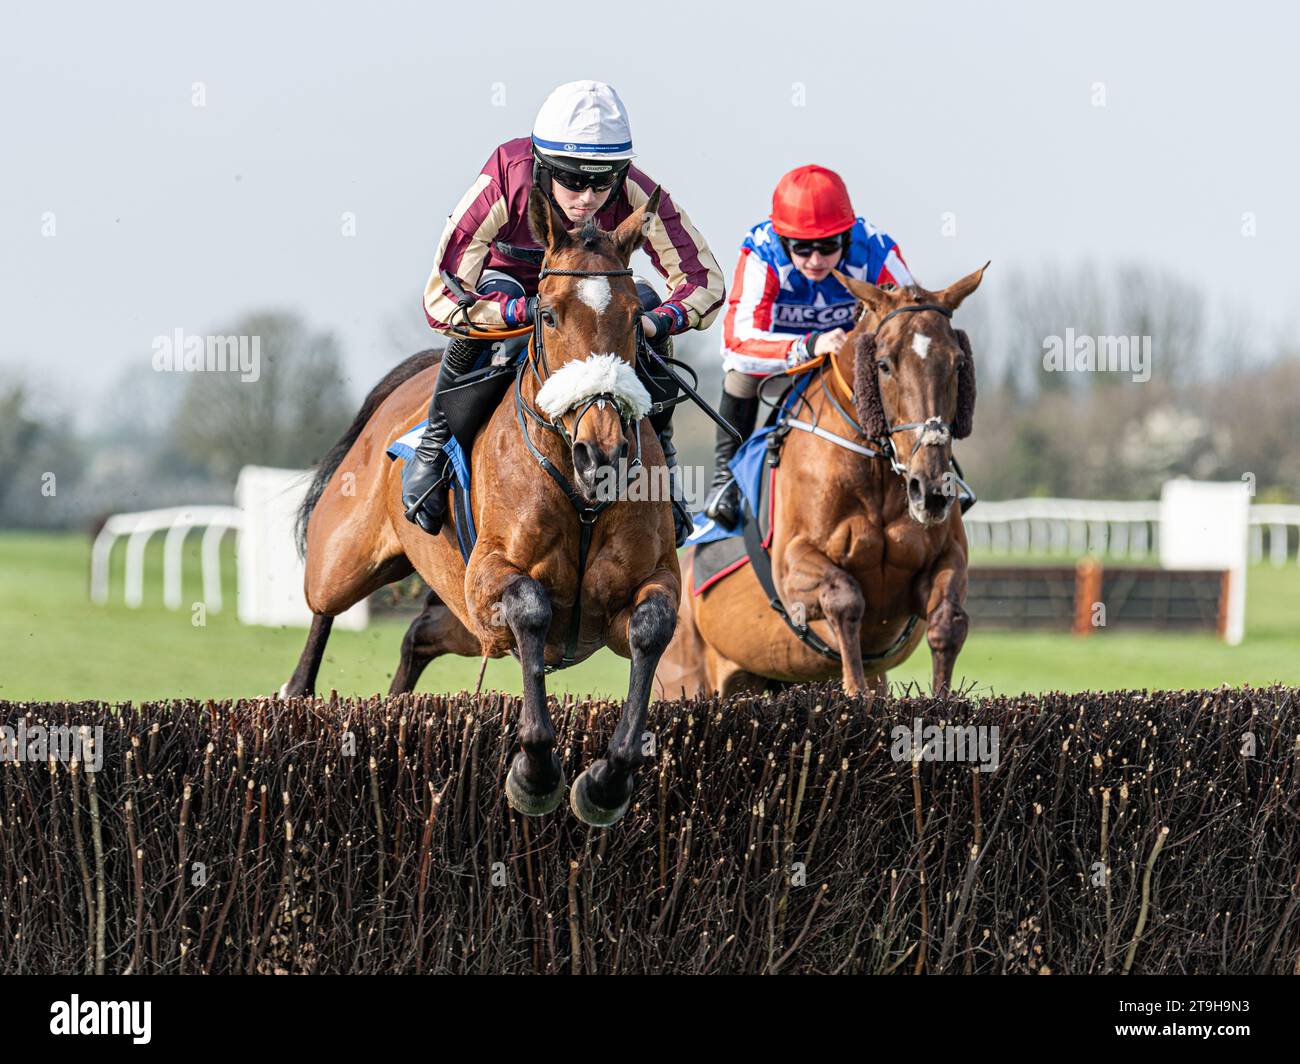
(575, 382)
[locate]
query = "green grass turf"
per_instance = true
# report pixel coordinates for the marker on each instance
(54, 644)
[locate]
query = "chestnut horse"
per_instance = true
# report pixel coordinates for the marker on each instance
(865, 536)
(563, 564)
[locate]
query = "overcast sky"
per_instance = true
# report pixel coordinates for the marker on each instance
(168, 215)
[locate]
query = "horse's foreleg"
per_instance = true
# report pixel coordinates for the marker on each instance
(436, 631)
(535, 784)
(842, 602)
(815, 587)
(946, 622)
(601, 795)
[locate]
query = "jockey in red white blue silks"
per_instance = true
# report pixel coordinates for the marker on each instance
(580, 154)
(785, 306)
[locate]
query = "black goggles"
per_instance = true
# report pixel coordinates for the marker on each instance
(827, 247)
(578, 182)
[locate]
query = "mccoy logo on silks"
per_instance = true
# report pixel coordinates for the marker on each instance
(799, 317)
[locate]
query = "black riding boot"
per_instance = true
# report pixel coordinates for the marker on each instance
(682, 520)
(424, 487)
(724, 502)
(663, 389)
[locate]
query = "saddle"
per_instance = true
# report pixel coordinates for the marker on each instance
(721, 551)
(470, 402)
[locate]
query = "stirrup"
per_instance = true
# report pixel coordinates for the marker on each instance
(731, 488)
(429, 510)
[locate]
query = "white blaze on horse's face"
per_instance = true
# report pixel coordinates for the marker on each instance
(921, 344)
(596, 293)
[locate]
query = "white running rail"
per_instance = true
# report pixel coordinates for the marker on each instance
(1121, 529)
(176, 522)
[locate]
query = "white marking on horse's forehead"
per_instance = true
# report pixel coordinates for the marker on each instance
(921, 344)
(595, 292)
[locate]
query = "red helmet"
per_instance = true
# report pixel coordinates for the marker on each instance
(810, 203)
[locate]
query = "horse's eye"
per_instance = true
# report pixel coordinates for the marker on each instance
(548, 317)
(882, 364)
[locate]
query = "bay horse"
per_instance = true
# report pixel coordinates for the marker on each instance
(565, 562)
(864, 538)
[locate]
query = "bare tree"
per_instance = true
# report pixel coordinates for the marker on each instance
(288, 416)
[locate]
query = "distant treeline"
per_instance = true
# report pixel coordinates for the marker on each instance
(1195, 395)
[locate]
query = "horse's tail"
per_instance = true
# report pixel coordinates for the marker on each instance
(398, 375)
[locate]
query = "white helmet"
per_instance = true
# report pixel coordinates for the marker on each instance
(583, 120)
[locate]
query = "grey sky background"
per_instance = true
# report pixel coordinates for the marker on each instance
(173, 216)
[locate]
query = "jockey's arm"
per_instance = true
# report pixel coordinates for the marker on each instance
(682, 257)
(747, 342)
(466, 241)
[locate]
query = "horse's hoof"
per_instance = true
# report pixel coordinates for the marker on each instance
(588, 811)
(524, 801)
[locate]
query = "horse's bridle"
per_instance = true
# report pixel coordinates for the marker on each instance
(933, 431)
(536, 362)
(587, 513)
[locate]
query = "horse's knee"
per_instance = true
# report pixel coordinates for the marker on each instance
(650, 629)
(946, 627)
(841, 600)
(416, 642)
(527, 610)
(526, 606)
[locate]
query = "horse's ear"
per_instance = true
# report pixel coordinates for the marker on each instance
(964, 422)
(549, 226)
(875, 299)
(866, 388)
(952, 296)
(633, 230)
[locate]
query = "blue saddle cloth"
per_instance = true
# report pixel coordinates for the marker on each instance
(462, 403)
(747, 467)
(404, 448)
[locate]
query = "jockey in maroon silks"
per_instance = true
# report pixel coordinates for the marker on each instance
(580, 154)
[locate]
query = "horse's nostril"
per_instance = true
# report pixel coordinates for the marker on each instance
(936, 502)
(584, 457)
(914, 489)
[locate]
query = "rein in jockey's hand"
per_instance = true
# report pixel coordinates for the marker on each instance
(649, 326)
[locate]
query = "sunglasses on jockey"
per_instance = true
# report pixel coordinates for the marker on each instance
(826, 247)
(576, 182)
